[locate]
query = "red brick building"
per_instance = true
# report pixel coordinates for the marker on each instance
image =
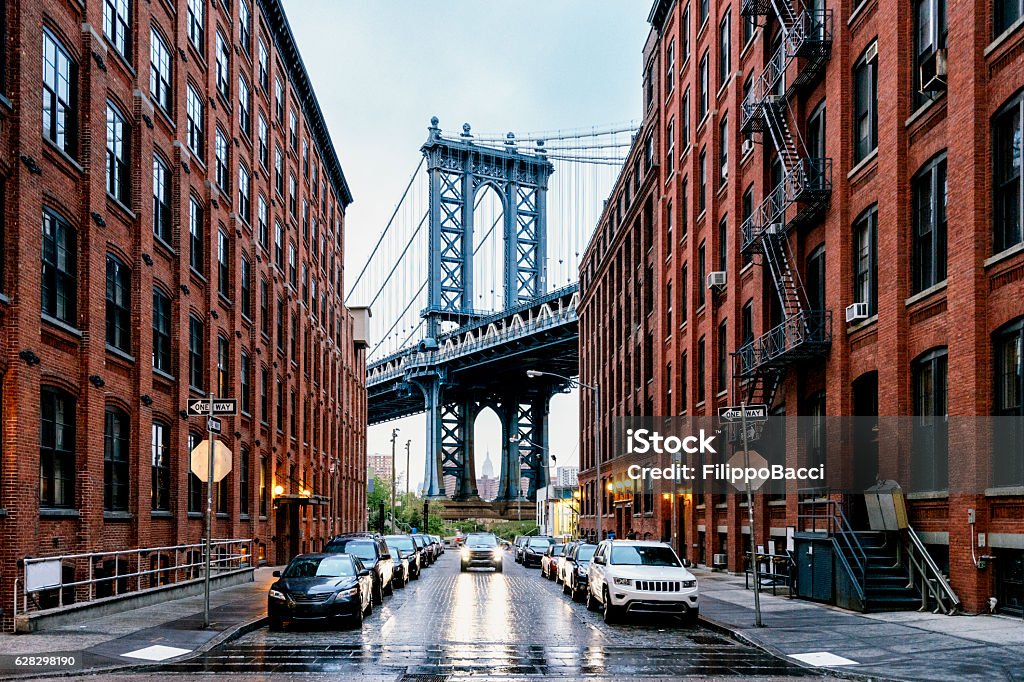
(854, 170)
(173, 225)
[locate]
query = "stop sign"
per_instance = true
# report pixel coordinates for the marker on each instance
(756, 461)
(199, 460)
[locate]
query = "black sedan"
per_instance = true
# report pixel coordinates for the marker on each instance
(374, 553)
(410, 550)
(534, 548)
(320, 587)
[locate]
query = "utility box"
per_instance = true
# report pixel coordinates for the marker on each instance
(360, 326)
(887, 508)
(814, 567)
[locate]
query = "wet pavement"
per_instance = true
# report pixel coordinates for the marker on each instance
(479, 624)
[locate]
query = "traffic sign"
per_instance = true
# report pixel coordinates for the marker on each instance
(753, 463)
(756, 413)
(213, 424)
(199, 460)
(222, 407)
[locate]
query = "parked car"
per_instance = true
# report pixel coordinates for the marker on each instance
(534, 549)
(320, 587)
(551, 559)
(439, 543)
(481, 549)
(517, 547)
(374, 553)
(401, 561)
(629, 576)
(410, 552)
(574, 569)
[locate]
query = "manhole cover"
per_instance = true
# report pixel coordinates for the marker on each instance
(411, 677)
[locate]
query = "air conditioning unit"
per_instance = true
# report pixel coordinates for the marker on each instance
(719, 560)
(748, 146)
(933, 71)
(716, 279)
(857, 311)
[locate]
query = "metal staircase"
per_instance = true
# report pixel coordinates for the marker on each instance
(799, 198)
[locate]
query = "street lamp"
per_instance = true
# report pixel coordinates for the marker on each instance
(394, 437)
(596, 389)
(516, 438)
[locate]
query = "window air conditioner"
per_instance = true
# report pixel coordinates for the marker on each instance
(716, 279)
(718, 560)
(857, 311)
(748, 146)
(933, 71)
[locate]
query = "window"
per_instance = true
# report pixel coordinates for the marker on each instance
(929, 204)
(1008, 360)
(196, 22)
(195, 486)
(119, 309)
(1007, 179)
(60, 94)
(223, 264)
(293, 130)
(161, 331)
(244, 106)
(293, 415)
(747, 326)
(245, 199)
(279, 101)
(816, 132)
(670, 70)
(160, 62)
(263, 60)
(700, 370)
(160, 467)
(929, 456)
(701, 275)
(246, 377)
(724, 49)
(117, 20)
(702, 173)
(929, 37)
(703, 12)
(865, 103)
(723, 358)
(264, 151)
(723, 243)
(749, 24)
(59, 269)
(816, 279)
(263, 229)
(280, 325)
(118, 143)
(264, 486)
(280, 406)
(684, 36)
(684, 121)
(702, 104)
(279, 171)
(115, 460)
(305, 159)
(195, 234)
(1005, 14)
(684, 216)
(246, 277)
(196, 337)
(723, 151)
(865, 260)
(223, 374)
(293, 204)
(668, 228)
(223, 67)
(292, 271)
(264, 395)
(56, 449)
(279, 245)
(684, 285)
(748, 211)
(220, 150)
(244, 28)
(194, 123)
(264, 307)
(243, 481)
(161, 200)
(670, 147)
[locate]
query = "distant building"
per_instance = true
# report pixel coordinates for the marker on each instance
(487, 482)
(380, 465)
(566, 477)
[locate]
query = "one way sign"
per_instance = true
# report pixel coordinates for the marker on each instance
(754, 413)
(222, 407)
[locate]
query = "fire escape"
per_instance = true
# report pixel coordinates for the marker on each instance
(797, 200)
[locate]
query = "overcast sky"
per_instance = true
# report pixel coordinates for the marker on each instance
(382, 68)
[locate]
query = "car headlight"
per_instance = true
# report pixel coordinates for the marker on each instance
(277, 594)
(581, 570)
(687, 584)
(623, 581)
(497, 553)
(465, 551)
(345, 594)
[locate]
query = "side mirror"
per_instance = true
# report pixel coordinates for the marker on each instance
(276, 574)
(364, 572)
(686, 563)
(598, 560)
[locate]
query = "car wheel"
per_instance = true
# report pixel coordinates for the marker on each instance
(690, 618)
(576, 595)
(357, 619)
(275, 625)
(497, 568)
(377, 593)
(592, 604)
(390, 589)
(463, 568)
(611, 613)
(416, 575)
(369, 606)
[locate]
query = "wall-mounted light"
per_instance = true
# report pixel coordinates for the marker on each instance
(97, 381)
(278, 490)
(30, 358)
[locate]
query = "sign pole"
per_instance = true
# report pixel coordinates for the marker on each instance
(209, 516)
(750, 514)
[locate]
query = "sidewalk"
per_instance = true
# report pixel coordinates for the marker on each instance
(904, 645)
(151, 633)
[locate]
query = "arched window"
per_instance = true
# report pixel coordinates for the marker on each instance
(56, 449)
(929, 455)
(115, 460)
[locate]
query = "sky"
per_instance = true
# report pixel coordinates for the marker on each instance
(382, 68)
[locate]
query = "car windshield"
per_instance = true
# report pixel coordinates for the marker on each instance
(558, 550)
(363, 549)
(541, 543)
(481, 541)
(402, 542)
(633, 555)
(331, 567)
(586, 552)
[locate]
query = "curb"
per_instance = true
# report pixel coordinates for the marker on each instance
(842, 673)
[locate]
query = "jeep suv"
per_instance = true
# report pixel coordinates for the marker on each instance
(481, 549)
(375, 555)
(640, 577)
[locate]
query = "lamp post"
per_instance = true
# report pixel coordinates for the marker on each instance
(516, 438)
(596, 389)
(408, 444)
(394, 437)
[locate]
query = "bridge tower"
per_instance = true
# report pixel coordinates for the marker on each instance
(459, 170)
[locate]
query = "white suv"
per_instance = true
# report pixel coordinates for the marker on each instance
(640, 577)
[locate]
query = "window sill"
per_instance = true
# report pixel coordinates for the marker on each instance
(161, 514)
(196, 390)
(857, 12)
(159, 241)
(63, 155)
(1004, 36)
(120, 353)
(56, 513)
(221, 515)
(1005, 491)
(118, 516)
(195, 515)
(1004, 254)
(929, 495)
(111, 49)
(198, 275)
(863, 324)
(224, 300)
(63, 326)
(862, 164)
(921, 295)
(163, 375)
(922, 110)
(121, 205)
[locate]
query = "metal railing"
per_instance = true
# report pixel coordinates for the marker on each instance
(847, 548)
(174, 564)
(809, 176)
(925, 572)
(811, 328)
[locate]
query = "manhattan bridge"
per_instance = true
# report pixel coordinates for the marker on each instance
(473, 281)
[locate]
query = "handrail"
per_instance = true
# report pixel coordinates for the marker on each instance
(842, 535)
(932, 580)
(807, 326)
